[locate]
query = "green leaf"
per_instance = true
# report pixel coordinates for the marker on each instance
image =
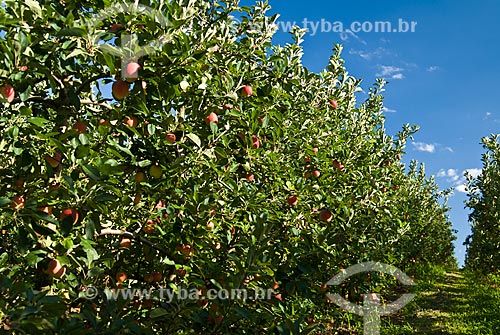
(193, 137)
(92, 172)
(4, 201)
(38, 121)
(158, 313)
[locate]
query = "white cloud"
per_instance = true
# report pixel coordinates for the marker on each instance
(474, 172)
(393, 72)
(433, 68)
(458, 179)
(369, 55)
(425, 147)
(388, 110)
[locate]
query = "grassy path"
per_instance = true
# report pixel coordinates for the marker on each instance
(453, 302)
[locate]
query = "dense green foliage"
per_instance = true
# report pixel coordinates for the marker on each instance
(483, 245)
(216, 212)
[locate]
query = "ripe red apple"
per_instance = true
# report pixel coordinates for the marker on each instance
(307, 160)
(250, 177)
(255, 142)
(17, 202)
(149, 227)
(338, 165)
(116, 27)
(334, 104)
(275, 286)
(125, 242)
(132, 71)
(119, 89)
(140, 177)
(171, 138)
(131, 121)
(55, 269)
(69, 212)
(121, 277)
(292, 200)
(212, 117)
(316, 173)
(45, 209)
(187, 250)
(315, 150)
(80, 127)
(325, 215)
(8, 92)
(155, 171)
(398, 156)
(149, 278)
(157, 276)
(53, 161)
(279, 297)
(23, 68)
(387, 163)
(246, 91)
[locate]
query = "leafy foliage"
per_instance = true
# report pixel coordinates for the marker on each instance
(483, 245)
(206, 208)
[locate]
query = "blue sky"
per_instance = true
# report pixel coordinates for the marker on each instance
(442, 77)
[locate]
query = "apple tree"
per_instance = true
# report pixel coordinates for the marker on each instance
(213, 161)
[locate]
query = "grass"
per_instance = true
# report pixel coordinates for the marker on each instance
(448, 303)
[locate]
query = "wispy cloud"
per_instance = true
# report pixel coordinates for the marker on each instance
(369, 55)
(458, 179)
(425, 147)
(388, 110)
(433, 68)
(393, 72)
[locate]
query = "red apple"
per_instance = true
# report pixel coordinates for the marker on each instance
(171, 138)
(157, 276)
(69, 212)
(212, 117)
(149, 227)
(116, 27)
(338, 165)
(316, 173)
(17, 202)
(119, 89)
(255, 142)
(132, 71)
(80, 127)
(8, 92)
(140, 177)
(398, 156)
(292, 200)
(387, 163)
(45, 209)
(246, 91)
(307, 160)
(23, 68)
(55, 269)
(315, 150)
(131, 121)
(325, 215)
(250, 177)
(121, 277)
(334, 103)
(125, 242)
(53, 161)
(149, 278)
